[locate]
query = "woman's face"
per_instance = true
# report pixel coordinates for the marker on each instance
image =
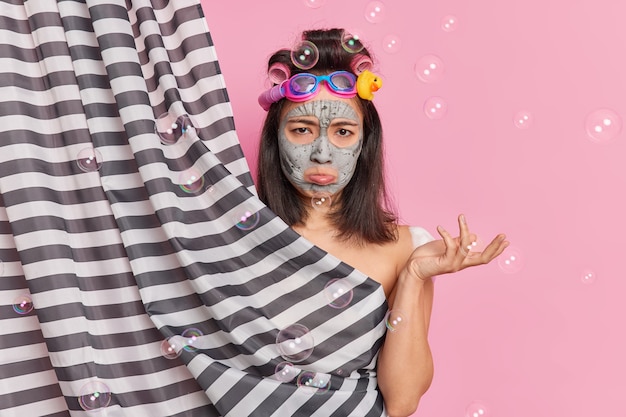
(319, 143)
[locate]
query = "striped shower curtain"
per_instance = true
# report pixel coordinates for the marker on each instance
(140, 275)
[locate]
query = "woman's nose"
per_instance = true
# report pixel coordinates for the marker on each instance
(321, 152)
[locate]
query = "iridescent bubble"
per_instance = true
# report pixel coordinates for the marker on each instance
(89, 160)
(338, 292)
(321, 201)
(191, 181)
(603, 125)
(375, 12)
(286, 372)
(511, 260)
(523, 119)
(314, 4)
(351, 42)
(295, 343)
(23, 304)
(391, 44)
(476, 246)
(435, 108)
(248, 220)
(316, 381)
(429, 68)
(190, 338)
(588, 276)
(449, 23)
(476, 409)
(305, 55)
(172, 347)
(94, 395)
(394, 320)
(171, 129)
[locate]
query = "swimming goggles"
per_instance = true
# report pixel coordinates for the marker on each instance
(304, 86)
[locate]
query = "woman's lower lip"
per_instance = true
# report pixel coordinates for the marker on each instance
(320, 179)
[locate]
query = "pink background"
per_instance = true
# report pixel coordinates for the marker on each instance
(547, 339)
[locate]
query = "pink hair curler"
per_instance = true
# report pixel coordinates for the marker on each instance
(361, 63)
(278, 72)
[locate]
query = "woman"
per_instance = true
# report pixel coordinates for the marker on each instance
(321, 170)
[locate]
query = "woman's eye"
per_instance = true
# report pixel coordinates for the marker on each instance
(344, 132)
(302, 130)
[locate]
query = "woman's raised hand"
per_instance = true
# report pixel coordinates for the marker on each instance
(452, 254)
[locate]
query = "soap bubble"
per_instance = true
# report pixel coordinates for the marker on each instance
(476, 409)
(429, 68)
(172, 347)
(89, 160)
(375, 12)
(286, 372)
(316, 381)
(171, 128)
(588, 276)
(321, 201)
(247, 220)
(435, 108)
(23, 304)
(351, 42)
(314, 4)
(511, 260)
(190, 338)
(191, 181)
(394, 320)
(603, 125)
(391, 44)
(338, 292)
(295, 343)
(305, 55)
(449, 23)
(523, 119)
(94, 395)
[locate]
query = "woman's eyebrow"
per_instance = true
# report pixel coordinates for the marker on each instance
(344, 122)
(310, 122)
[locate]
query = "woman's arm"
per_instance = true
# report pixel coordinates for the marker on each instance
(405, 364)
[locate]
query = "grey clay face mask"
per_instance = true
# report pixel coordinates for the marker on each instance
(297, 158)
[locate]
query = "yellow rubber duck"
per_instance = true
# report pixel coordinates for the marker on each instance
(367, 83)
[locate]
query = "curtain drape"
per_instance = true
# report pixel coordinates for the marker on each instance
(139, 273)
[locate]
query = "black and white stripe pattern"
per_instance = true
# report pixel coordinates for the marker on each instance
(147, 247)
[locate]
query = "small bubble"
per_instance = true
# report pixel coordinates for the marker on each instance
(375, 12)
(394, 320)
(248, 220)
(351, 42)
(338, 292)
(391, 44)
(94, 395)
(314, 4)
(429, 68)
(588, 276)
(476, 409)
(191, 181)
(603, 125)
(305, 55)
(317, 382)
(172, 347)
(295, 343)
(435, 108)
(511, 260)
(523, 119)
(449, 23)
(89, 160)
(23, 304)
(190, 338)
(286, 372)
(321, 201)
(171, 129)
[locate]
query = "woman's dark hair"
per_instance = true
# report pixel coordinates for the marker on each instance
(364, 211)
